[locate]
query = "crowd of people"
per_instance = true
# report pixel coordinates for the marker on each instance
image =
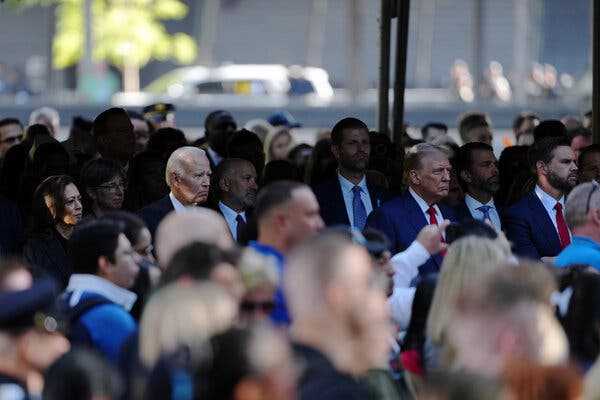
(135, 264)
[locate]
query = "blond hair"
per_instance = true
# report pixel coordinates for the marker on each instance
(257, 270)
(188, 316)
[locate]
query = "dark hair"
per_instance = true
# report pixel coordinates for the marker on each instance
(549, 128)
(274, 195)
(415, 333)
(434, 125)
(322, 165)
(132, 224)
(196, 260)
(92, 240)
(278, 170)
(469, 227)
(98, 171)
(10, 121)
(543, 149)
(247, 145)
(593, 148)
(35, 130)
(472, 120)
(41, 217)
(81, 374)
(100, 126)
(518, 121)
(337, 133)
(166, 140)
(376, 242)
(111, 144)
(214, 115)
(464, 157)
(582, 319)
(580, 131)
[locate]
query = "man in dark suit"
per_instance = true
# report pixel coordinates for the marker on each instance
(188, 176)
(236, 191)
(348, 198)
(480, 179)
(536, 225)
(427, 172)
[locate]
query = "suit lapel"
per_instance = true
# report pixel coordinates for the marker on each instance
(416, 219)
(545, 223)
(338, 204)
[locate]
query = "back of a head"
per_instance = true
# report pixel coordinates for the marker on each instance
(274, 195)
(92, 240)
(184, 316)
(337, 133)
(196, 225)
(280, 170)
(585, 153)
(113, 134)
(132, 224)
(195, 261)
(470, 121)
(469, 227)
(81, 374)
(165, 141)
(549, 128)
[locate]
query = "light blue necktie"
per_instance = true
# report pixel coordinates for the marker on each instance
(486, 212)
(358, 209)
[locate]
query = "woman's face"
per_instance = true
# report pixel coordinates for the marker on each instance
(143, 246)
(73, 208)
(280, 145)
(110, 195)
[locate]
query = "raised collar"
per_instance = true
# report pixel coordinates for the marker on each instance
(347, 186)
(548, 201)
(79, 283)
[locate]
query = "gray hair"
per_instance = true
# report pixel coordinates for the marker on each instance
(179, 159)
(576, 206)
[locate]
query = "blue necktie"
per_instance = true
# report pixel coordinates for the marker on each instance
(485, 210)
(358, 209)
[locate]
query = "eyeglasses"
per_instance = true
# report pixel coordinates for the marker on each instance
(252, 306)
(589, 199)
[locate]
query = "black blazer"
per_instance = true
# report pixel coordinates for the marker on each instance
(12, 236)
(331, 201)
(48, 257)
(153, 213)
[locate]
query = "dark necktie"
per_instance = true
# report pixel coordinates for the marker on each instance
(561, 226)
(485, 210)
(359, 212)
(240, 227)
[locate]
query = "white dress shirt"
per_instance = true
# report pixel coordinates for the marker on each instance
(549, 202)
(473, 206)
(177, 206)
(230, 216)
(79, 283)
(348, 195)
(424, 207)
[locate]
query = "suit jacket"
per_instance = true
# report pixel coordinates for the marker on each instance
(401, 219)
(463, 213)
(530, 229)
(331, 201)
(48, 258)
(155, 212)
(12, 236)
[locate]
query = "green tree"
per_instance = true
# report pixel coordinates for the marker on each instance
(125, 33)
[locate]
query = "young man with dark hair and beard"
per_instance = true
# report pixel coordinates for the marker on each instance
(478, 174)
(536, 225)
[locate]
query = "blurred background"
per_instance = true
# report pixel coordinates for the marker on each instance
(318, 59)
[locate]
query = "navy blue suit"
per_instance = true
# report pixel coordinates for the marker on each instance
(331, 201)
(153, 213)
(462, 212)
(401, 219)
(530, 229)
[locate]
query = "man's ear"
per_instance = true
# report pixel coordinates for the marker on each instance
(104, 266)
(413, 177)
(540, 167)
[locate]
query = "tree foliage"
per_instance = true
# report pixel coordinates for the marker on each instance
(125, 32)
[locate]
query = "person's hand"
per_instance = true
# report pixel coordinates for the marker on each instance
(431, 237)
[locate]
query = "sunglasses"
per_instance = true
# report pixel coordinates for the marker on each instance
(253, 306)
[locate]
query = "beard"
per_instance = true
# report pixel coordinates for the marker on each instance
(559, 182)
(354, 165)
(490, 185)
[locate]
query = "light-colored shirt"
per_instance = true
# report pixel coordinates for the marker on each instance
(348, 195)
(424, 207)
(177, 206)
(473, 206)
(216, 158)
(549, 202)
(230, 216)
(79, 283)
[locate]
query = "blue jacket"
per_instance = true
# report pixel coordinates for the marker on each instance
(530, 229)
(581, 251)
(97, 322)
(401, 219)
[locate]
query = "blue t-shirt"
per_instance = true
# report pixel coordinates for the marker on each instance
(280, 315)
(582, 251)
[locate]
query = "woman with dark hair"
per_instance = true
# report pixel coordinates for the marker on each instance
(55, 212)
(103, 186)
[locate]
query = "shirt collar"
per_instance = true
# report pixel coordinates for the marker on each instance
(229, 212)
(177, 204)
(472, 203)
(548, 201)
(347, 186)
(422, 203)
(103, 287)
(214, 156)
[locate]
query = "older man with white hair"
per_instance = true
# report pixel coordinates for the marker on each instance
(582, 213)
(46, 116)
(188, 176)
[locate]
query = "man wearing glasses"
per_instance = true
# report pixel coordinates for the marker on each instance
(582, 212)
(11, 133)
